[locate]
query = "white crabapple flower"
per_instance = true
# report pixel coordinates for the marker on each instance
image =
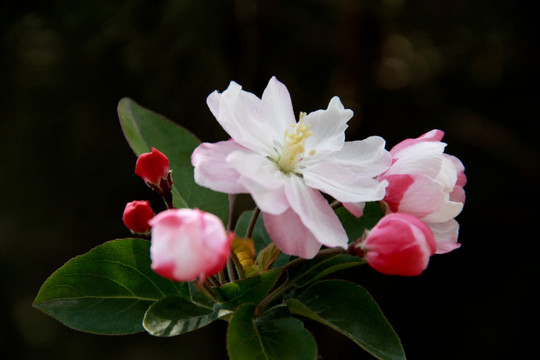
(285, 164)
(427, 183)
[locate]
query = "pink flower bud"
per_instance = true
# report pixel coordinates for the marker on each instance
(153, 168)
(136, 216)
(400, 244)
(188, 244)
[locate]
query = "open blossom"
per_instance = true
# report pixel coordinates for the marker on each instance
(285, 164)
(427, 183)
(400, 244)
(136, 216)
(188, 244)
(153, 168)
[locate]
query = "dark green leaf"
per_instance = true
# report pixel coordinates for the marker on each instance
(268, 339)
(252, 290)
(145, 129)
(355, 226)
(311, 270)
(175, 315)
(107, 290)
(349, 309)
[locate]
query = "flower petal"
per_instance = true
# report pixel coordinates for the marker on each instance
(343, 184)
(433, 135)
(315, 213)
(262, 179)
(276, 108)
(237, 111)
(328, 128)
(446, 234)
(213, 171)
(290, 235)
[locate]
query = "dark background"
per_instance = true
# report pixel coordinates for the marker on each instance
(404, 67)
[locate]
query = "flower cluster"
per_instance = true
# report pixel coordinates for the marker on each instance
(291, 167)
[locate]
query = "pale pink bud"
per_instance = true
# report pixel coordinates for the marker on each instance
(188, 244)
(400, 244)
(153, 168)
(136, 216)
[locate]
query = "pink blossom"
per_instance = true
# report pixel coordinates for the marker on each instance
(427, 183)
(285, 164)
(136, 216)
(153, 168)
(188, 244)
(400, 244)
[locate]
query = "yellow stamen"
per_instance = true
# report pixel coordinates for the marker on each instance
(294, 147)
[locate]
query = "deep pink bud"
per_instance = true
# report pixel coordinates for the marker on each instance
(136, 216)
(188, 244)
(400, 244)
(153, 168)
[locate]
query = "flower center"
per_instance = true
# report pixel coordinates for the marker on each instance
(294, 145)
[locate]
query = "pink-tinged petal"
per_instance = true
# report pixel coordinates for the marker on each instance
(315, 213)
(447, 211)
(397, 186)
(460, 169)
(290, 235)
(458, 195)
(446, 235)
(237, 111)
(433, 135)
(421, 198)
(328, 128)
(357, 209)
(423, 158)
(366, 157)
(276, 108)
(213, 171)
(343, 184)
(261, 177)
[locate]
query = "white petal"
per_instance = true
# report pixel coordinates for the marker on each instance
(237, 111)
(424, 158)
(342, 183)
(276, 108)
(290, 235)
(446, 235)
(366, 157)
(447, 211)
(262, 179)
(315, 213)
(328, 128)
(213, 171)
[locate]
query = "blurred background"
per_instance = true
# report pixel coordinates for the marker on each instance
(403, 66)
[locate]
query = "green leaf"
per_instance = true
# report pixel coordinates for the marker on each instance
(268, 339)
(309, 271)
(107, 290)
(349, 309)
(251, 290)
(145, 129)
(355, 227)
(175, 315)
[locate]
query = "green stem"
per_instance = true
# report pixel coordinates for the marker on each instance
(253, 222)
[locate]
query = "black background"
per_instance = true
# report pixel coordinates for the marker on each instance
(404, 67)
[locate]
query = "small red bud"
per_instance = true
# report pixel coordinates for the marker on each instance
(153, 168)
(136, 216)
